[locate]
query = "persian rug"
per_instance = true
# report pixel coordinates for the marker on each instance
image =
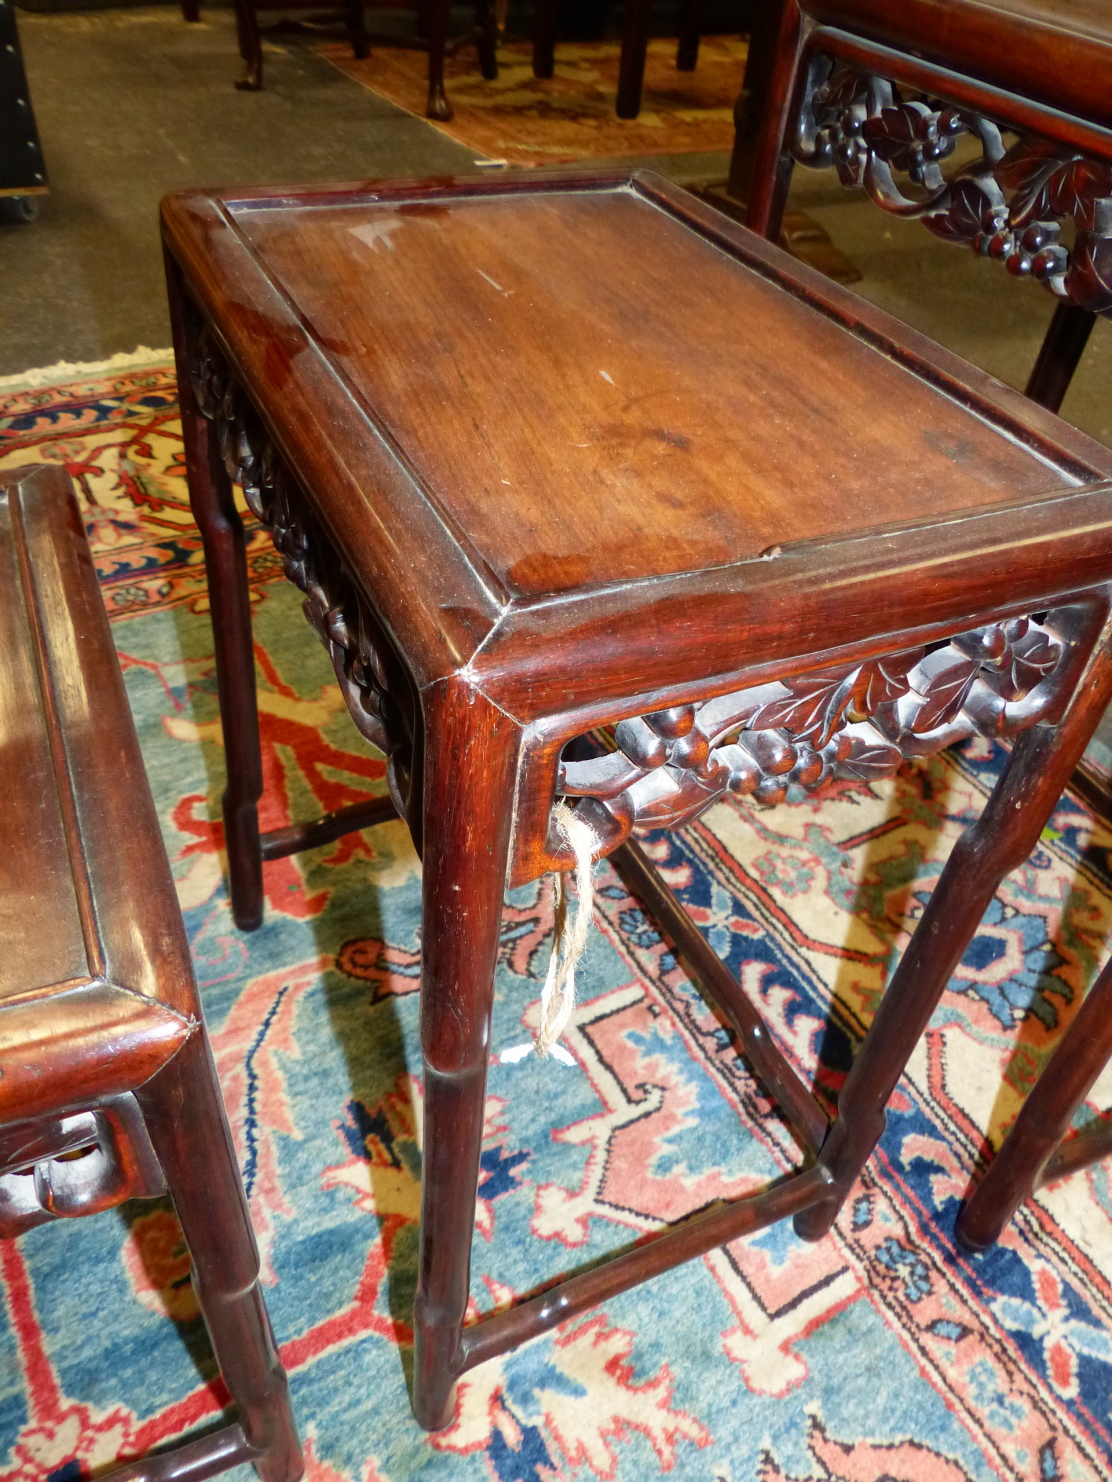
(880, 1352)
(526, 120)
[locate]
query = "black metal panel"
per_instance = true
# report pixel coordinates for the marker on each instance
(21, 163)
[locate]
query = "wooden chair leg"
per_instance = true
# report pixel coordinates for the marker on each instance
(184, 1114)
(631, 67)
(1059, 355)
(1043, 1121)
(469, 781)
(544, 38)
(210, 495)
(438, 106)
(357, 29)
(250, 46)
(691, 27)
(997, 843)
(761, 172)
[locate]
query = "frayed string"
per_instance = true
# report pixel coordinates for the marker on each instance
(558, 993)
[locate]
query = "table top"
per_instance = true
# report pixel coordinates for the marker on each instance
(588, 396)
(96, 984)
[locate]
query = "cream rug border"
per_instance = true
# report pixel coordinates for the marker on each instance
(72, 370)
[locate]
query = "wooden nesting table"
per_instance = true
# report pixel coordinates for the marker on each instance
(554, 452)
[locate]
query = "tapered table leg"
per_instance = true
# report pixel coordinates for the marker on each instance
(486, 37)
(250, 46)
(761, 164)
(631, 67)
(997, 843)
(185, 1117)
(438, 106)
(1044, 1119)
(213, 504)
(691, 25)
(544, 38)
(470, 770)
(357, 27)
(1059, 355)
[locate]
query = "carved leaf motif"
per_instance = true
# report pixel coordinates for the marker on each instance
(883, 680)
(906, 135)
(870, 760)
(1032, 658)
(1088, 280)
(1048, 180)
(1074, 188)
(844, 87)
(946, 679)
(1026, 171)
(971, 199)
(812, 710)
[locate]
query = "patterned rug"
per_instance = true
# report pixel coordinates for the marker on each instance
(528, 121)
(878, 1353)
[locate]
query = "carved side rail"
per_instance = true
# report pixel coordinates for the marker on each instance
(852, 722)
(1008, 203)
(375, 684)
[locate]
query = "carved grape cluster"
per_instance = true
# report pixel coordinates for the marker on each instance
(1008, 205)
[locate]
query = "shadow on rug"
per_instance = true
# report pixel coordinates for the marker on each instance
(878, 1352)
(528, 121)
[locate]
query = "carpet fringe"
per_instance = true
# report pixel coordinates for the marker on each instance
(67, 370)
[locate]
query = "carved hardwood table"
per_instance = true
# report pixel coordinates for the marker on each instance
(108, 1090)
(553, 453)
(884, 94)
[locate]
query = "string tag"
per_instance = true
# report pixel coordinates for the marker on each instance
(569, 938)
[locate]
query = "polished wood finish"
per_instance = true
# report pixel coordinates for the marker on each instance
(298, 837)
(102, 1041)
(760, 529)
(847, 91)
(1059, 355)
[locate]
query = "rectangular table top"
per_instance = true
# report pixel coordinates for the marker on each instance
(593, 393)
(507, 393)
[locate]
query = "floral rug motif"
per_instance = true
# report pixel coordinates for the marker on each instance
(880, 1352)
(527, 120)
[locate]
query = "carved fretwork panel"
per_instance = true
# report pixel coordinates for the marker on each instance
(854, 722)
(376, 685)
(76, 1164)
(1008, 203)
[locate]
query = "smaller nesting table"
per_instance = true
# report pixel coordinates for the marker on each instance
(107, 1087)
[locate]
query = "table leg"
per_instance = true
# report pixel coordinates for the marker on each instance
(250, 46)
(761, 167)
(1033, 779)
(213, 504)
(438, 106)
(1044, 1119)
(486, 36)
(1059, 355)
(631, 67)
(544, 38)
(470, 772)
(357, 27)
(691, 26)
(184, 1114)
